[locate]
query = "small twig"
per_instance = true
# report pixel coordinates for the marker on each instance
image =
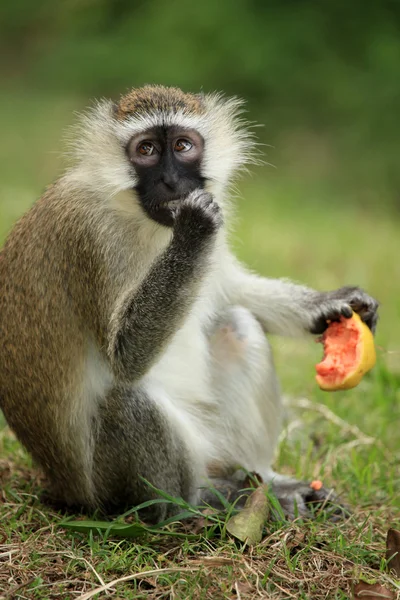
(353, 444)
(289, 428)
(142, 575)
(331, 416)
(238, 594)
(344, 425)
(11, 593)
(72, 556)
(284, 590)
(99, 577)
(8, 553)
(253, 572)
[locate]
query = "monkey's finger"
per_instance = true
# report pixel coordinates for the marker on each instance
(368, 313)
(346, 311)
(332, 313)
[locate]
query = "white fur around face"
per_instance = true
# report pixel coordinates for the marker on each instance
(102, 163)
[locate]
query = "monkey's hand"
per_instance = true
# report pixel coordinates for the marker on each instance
(330, 306)
(198, 216)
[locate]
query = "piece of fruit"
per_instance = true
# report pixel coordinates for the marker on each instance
(316, 485)
(349, 352)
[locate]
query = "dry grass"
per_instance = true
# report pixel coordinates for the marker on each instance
(316, 560)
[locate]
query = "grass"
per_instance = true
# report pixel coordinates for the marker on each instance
(285, 228)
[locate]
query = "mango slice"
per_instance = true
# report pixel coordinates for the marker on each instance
(349, 352)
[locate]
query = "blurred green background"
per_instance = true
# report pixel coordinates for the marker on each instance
(322, 77)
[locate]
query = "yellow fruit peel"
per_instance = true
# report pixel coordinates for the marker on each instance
(349, 353)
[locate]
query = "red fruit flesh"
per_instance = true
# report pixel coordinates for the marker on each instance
(341, 351)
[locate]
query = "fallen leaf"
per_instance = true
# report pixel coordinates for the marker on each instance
(372, 591)
(247, 525)
(393, 550)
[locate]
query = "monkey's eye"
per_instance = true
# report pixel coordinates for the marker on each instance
(146, 148)
(182, 145)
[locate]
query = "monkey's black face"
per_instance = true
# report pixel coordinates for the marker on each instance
(167, 163)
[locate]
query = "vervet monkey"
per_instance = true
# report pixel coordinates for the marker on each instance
(132, 342)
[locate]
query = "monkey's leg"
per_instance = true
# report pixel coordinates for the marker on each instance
(136, 441)
(250, 407)
(247, 391)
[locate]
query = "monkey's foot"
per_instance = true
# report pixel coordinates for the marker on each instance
(296, 498)
(300, 499)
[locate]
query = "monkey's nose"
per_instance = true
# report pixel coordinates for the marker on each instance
(170, 179)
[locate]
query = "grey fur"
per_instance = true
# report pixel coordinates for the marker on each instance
(136, 443)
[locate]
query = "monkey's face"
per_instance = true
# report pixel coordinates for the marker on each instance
(167, 163)
(160, 143)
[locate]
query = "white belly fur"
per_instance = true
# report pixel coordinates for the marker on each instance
(180, 382)
(183, 370)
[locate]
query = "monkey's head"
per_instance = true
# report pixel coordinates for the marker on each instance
(162, 144)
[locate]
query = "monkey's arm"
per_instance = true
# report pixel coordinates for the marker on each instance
(288, 309)
(146, 317)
